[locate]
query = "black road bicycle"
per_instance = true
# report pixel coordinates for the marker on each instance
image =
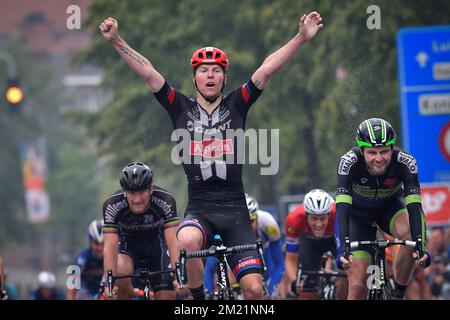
(378, 286)
(327, 283)
(144, 276)
(224, 290)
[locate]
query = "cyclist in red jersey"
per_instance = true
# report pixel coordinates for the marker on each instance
(309, 234)
(216, 195)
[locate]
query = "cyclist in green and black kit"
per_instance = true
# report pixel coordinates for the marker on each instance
(378, 185)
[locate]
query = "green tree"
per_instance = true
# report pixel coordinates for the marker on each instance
(316, 112)
(72, 182)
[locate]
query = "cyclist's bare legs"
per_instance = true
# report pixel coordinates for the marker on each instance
(125, 267)
(357, 278)
(165, 295)
(284, 288)
(191, 239)
(404, 262)
(308, 295)
(341, 289)
(418, 291)
(251, 286)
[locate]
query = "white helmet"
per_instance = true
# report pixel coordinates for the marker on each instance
(252, 206)
(46, 279)
(95, 231)
(317, 202)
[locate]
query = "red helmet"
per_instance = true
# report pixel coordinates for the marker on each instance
(209, 55)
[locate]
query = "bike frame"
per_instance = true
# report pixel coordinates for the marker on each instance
(220, 252)
(379, 291)
(325, 277)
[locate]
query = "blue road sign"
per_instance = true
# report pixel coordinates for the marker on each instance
(424, 76)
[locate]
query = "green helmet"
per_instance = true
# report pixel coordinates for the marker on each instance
(375, 132)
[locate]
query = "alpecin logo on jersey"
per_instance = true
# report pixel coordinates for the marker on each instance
(193, 148)
(347, 161)
(212, 148)
(408, 160)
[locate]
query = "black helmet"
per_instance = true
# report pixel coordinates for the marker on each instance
(375, 132)
(136, 176)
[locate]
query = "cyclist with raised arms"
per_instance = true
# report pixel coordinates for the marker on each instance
(216, 195)
(378, 185)
(309, 235)
(140, 223)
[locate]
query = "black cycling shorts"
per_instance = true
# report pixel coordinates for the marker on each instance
(152, 255)
(234, 228)
(363, 221)
(310, 256)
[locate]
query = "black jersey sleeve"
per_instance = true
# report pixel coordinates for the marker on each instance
(111, 209)
(169, 98)
(244, 97)
(345, 170)
(166, 204)
(250, 92)
(408, 169)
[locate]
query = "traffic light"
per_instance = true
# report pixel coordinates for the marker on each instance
(14, 94)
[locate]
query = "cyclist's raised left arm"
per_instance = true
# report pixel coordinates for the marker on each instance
(137, 62)
(309, 25)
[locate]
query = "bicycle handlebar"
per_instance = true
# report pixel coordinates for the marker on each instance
(214, 251)
(382, 243)
(324, 273)
(143, 274)
(220, 250)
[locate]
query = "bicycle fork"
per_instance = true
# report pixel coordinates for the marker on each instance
(222, 281)
(377, 278)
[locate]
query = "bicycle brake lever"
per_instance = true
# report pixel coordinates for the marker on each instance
(347, 248)
(261, 254)
(298, 279)
(110, 283)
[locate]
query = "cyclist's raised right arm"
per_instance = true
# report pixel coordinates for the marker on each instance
(138, 63)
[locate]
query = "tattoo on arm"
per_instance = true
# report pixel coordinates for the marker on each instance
(134, 55)
(258, 84)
